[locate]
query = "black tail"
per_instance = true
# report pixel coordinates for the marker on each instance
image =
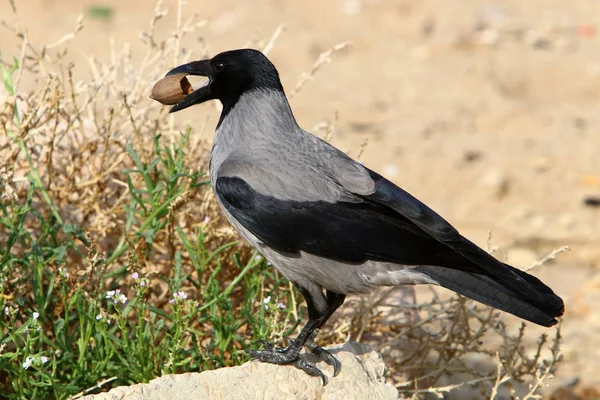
(497, 292)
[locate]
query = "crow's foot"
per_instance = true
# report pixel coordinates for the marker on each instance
(291, 355)
(325, 355)
(321, 353)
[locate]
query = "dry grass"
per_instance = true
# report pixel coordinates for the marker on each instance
(72, 137)
(73, 157)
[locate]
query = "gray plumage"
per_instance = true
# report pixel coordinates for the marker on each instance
(329, 224)
(248, 144)
(261, 142)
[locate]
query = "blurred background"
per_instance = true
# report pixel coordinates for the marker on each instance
(485, 110)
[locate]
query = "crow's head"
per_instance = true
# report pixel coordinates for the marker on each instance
(230, 74)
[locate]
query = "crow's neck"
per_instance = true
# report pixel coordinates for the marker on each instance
(257, 125)
(256, 115)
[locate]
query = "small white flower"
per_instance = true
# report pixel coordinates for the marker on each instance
(206, 219)
(266, 307)
(281, 306)
(44, 359)
(116, 296)
(36, 315)
(28, 362)
(196, 304)
(257, 258)
(6, 310)
(99, 316)
(135, 276)
(267, 299)
(179, 295)
(143, 283)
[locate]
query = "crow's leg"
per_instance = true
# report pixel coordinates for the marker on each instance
(320, 308)
(334, 301)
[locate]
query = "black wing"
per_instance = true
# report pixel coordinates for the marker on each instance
(389, 225)
(351, 232)
(389, 195)
(493, 282)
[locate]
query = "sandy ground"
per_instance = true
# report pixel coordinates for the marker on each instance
(485, 110)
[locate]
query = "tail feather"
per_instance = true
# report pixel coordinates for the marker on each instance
(552, 302)
(497, 292)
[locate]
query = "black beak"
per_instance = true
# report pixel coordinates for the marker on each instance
(199, 68)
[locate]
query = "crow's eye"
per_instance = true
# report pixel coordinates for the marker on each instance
(219, 67)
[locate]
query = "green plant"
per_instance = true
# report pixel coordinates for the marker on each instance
(116, 265)
(110, 271)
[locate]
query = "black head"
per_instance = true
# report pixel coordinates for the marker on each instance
(230, 74)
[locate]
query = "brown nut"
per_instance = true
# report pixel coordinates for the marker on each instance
(171, 89)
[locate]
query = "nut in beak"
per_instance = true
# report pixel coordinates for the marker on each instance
(171, 89)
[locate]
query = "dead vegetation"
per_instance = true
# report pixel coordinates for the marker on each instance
(65, 147)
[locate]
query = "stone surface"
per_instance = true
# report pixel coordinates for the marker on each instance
(361, 377)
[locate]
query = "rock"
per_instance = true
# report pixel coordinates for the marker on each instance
(391, 170)
(361, 377)
(496, 182)
(592, 201)
(541, 164)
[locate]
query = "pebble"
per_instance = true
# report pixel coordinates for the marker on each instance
(592, 201)
(390, 170)
(541, 164)
(496, 181)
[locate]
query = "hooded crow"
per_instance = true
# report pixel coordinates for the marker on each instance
(327, 223)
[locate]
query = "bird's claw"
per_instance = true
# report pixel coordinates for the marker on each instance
(310, 369)
(291, 355)
(326, 356)
(273, 355)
